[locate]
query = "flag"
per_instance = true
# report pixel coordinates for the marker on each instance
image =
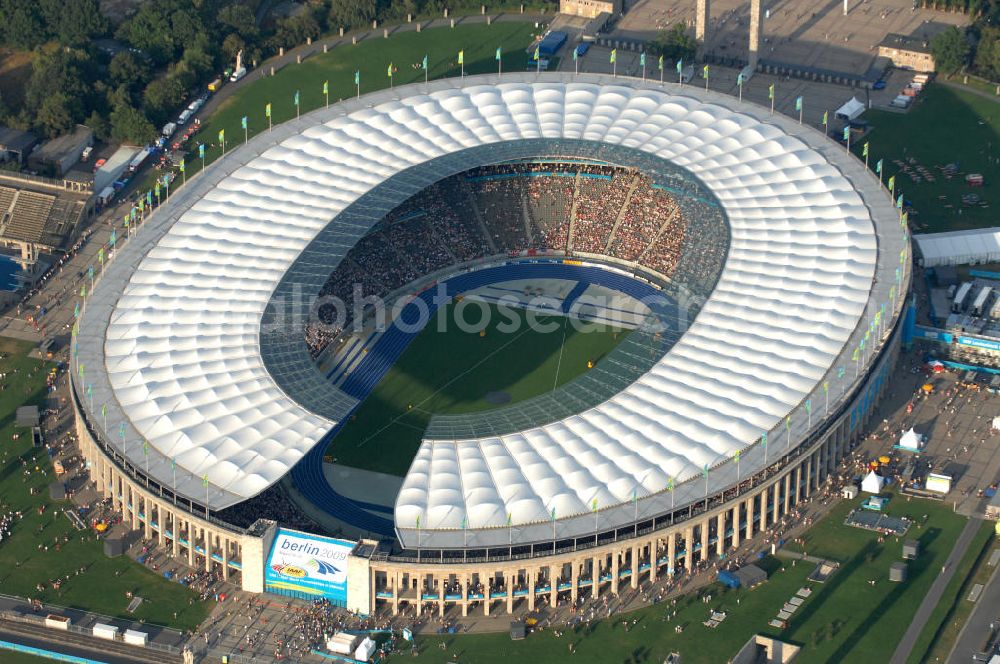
(798, 103)
(267, 110)
(905, 219)
(847, 133)
(614, 55)
(576, 54)
(296, 98)
(90, 271)
(145, 447)
(593, 505)
(788, 423)
(840, 372)
(113, 238)
(204, 480)
(222, 135)
(149, 199)
(680, 67)
(510, 518)
(670, 484)
(770, 92)
(461, 57)
(83, 290)
(739, 79)
(854, 355)
(76, 310)
(704, 471)
(704, 73)
(899, 202)
(553, 514)
(463, 523)
(156, 189)
(864, 149)
(326, 84)
(173, 463)
(659, 65)
(100, 255)
(104, 410)
(737, 456)
(537, 53)
(499, 51)
(182, 166)
(357, 81)
(389, 70)
(425, 62)
(809, 405)
(826, 386)
(418, 522)
(642, 59)
(201, 150)
(121, 429)
(826, 115)
(892, 182)
(878, 167)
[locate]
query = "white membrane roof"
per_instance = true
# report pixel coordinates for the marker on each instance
(176, 342)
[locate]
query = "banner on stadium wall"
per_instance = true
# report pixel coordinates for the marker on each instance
(933, 334)
(979, 343)
(308, 564)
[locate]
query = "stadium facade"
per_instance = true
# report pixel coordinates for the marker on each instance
(194, 390)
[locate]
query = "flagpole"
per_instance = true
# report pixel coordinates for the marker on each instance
(800, 113)
(740, 86)
(644, 70)
(246, 135)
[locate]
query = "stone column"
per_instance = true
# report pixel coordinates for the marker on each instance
(689, 548)
(654, 559)
(701, 16)
(671, 553)
(704, 538)
(788, 490)
(595, 577)
(755, 33)
(190, 539)
(225, 559)
(511, 579)
(396, 590)
(798, 483)
(574, 581)
(532, 579)
(777, 501)
(615, 561)
(208, 539)
(749, 526)
(809, 475)
(553, 586)
(736, 525)
(720, 534)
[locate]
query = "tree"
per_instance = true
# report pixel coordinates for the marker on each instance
(987, 60)
(162, 96)
(241, 19)
(350, 14)
(295, 31)
(950, 49)
(21, 24)
(73, 22)
(54, 116)
(675, 44)
(129, 70)
(100, 124)
(232, 45)
(129, 125)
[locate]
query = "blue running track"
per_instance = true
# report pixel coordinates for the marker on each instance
(308, 473)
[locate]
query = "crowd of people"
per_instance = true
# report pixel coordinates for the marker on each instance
(7, 522)
(502, 210)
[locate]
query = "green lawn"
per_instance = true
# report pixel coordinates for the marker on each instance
(448, 370)
(23, 565)
(11, 657)
(944, 126)
(371, 57)
(954, 609)
(853, 620)
(651, 640)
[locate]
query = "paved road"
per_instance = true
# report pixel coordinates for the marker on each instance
(977, 627)
(934, 595)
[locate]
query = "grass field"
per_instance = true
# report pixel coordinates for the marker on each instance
(945, 126)
(853, 620)
(11, 657)
(371, 57)
(23, 564)
(954, 609)
(448, 370)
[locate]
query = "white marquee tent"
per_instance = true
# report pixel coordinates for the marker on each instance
(911, 440)
(959, 247)
(851, 109)
(873, 483)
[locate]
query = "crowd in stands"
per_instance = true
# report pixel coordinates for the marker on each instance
(506, 209)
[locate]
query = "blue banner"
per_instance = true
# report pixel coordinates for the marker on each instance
(308, 565)
(979, 343)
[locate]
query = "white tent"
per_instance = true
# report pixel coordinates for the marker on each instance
(873, 483)
(959, 247)
(996, 423)
(851, 109)
(911, 440)
(365, 650)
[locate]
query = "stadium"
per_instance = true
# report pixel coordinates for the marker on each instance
(753, 271)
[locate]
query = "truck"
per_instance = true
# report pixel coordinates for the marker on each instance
(139, 159)
(169, 129)
(238, 74)
(183, 117)
(980, 302)
(959, 301)
(215, 85)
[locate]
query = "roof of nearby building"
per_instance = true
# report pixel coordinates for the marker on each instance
(16, 140)
(172, 332)
(905, 43)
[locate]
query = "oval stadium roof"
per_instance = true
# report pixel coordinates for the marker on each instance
(171, 337)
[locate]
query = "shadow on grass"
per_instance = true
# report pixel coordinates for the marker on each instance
(915, 569)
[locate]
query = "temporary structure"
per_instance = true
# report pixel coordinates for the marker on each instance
(851, 109)
(911, 440)
(873, 483)
(365, 650)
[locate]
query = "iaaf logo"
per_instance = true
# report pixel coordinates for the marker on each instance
(317, 567)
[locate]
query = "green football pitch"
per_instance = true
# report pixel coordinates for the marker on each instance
(452, 369)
